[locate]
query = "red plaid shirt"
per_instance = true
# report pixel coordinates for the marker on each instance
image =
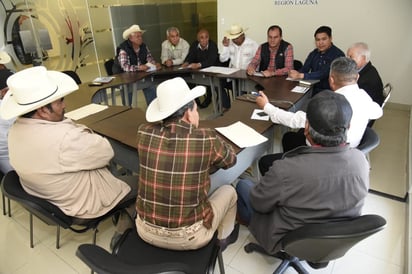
(175, 161)
(272, 66)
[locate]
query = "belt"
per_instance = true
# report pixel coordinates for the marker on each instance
(172, 232)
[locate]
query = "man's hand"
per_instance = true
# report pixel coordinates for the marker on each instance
(294, 74)
(250, 71)
(208, 218)
(225, 41)
(262, 100)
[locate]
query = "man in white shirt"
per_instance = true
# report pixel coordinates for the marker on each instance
(174, 48)
(342, 79)
(240, 50)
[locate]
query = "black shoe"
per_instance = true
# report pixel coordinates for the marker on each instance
(231, 238)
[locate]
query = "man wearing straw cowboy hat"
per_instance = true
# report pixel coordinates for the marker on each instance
(134, 55)
(240, 50)
(55, 158)
(176, 157)
(273, 58)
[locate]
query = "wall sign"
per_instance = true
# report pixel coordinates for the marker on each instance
(295, 2)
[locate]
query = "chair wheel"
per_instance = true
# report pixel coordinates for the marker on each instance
(248, 248)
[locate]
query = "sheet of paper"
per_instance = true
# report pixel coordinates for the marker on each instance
(259, 114)
(300, 89)
(105, 79)
(242, 135)
(85, 111)
(221, 70)
(259, 74)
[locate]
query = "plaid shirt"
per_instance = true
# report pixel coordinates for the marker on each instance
(175, 161)
(272, 66)
(124, 60)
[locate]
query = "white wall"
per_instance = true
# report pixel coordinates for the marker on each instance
(384, 25)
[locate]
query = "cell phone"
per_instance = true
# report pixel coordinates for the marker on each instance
(262, 114)
(95, 84)
(255, 93)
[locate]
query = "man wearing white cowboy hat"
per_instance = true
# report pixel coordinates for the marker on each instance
(5, 124)
(133, 55)
(273, 58)
(176, 158)
(240, 50)
(55, 158)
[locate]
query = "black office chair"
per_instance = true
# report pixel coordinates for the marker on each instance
(108, 65)
(133, 255)
(386, 92)
(320, 243)
(73, 75)
(369, 141)
(3, 198)
(49, 213)
(297, 65)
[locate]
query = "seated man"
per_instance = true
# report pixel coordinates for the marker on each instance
(369, 79)
(273, 58)
(174, 48)
(239, 51)
(203, 53)
(317, 64)
(176, 157)
(323, 182)
(55, 158)
(342, 79)
(134, 55)
(4, 124)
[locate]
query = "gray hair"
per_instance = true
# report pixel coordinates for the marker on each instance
(362, 49)
(327, 141)
(181, 111)
(344, 70)
(170, 29)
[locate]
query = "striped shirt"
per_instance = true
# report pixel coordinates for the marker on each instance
(175, 162)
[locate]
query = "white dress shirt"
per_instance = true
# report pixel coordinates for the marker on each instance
(364, 109)
(240, 56)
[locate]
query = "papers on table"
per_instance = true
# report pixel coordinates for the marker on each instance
(103, 80)
(300, 89)
(259, 114)
(151, 67)
(259, 74)
(242, 135)
(85, 111)
(221, 70)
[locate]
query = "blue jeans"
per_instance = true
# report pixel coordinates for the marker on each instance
(244, 209)
(149, 94)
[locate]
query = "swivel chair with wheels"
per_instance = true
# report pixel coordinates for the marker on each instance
(370, 140)
(320, 243)
(133, 255)
(49, 213)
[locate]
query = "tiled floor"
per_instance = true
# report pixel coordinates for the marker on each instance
(383, 253)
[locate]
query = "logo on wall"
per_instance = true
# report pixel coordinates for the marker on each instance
(295, 2)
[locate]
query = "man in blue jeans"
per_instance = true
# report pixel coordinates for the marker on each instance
(310, 184)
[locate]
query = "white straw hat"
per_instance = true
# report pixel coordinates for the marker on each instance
(4, 58)
(133, 28)
(235, 31)
(33, 88)
(171, 96)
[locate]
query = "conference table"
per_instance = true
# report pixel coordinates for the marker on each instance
(120, 123)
